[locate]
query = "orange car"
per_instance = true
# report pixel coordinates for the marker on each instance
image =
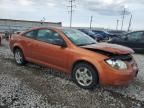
(89, 63)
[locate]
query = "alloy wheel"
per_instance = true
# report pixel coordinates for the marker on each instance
(84, 76)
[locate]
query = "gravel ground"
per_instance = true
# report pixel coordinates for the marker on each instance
(33, 86)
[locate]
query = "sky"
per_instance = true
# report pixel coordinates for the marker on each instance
(105, 12)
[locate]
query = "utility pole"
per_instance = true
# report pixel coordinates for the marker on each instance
(91, 20)
(130, 22)
(43, 20)
(123, 17)
(117, 25)
(71, 11)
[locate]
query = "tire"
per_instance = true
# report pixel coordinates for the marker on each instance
(19, 57)
(85, 76)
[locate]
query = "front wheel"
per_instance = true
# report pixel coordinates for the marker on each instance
(85, 76)
(19, 57)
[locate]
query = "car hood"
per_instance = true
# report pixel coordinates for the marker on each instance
(111, 48)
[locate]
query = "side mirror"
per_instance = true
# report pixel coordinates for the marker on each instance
(126, 38)
(18, 32)
(61, 43)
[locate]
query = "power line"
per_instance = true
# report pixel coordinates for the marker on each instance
(71, 6)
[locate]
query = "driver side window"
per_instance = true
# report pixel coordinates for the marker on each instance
(49, 36)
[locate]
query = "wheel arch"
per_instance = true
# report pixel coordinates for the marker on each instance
(23, 60)
(16, 47)
(87, 62)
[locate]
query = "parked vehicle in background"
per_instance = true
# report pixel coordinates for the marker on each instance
(117, 32)
(90, 33)
(106, 35)
(0, 39)
(89, 63)
(6, 35)
(134, 40)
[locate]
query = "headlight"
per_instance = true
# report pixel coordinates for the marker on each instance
(117, 64)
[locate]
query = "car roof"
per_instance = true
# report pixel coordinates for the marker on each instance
(54, 28)
(58, 28)
(138, 31)
(35, 28)
(135, 31)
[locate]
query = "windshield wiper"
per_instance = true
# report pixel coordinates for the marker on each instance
(86, 44)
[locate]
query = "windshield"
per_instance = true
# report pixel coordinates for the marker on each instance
(78, 38)
(106, 32)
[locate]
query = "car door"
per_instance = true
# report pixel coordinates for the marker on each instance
(26, 42)
(132, 40)
(47, 51)
(135, 40)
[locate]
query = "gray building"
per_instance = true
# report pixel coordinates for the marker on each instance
(16, 25)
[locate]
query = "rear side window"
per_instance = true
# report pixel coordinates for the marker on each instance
(30, 34)
(43, 35)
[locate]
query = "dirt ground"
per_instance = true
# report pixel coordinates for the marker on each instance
(33, 86)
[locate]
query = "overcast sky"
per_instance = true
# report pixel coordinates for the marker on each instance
(105, 12)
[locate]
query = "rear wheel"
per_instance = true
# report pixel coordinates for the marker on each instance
(19, 57)
(85, 76)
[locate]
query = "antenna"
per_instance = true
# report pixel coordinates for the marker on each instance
(43, 20)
